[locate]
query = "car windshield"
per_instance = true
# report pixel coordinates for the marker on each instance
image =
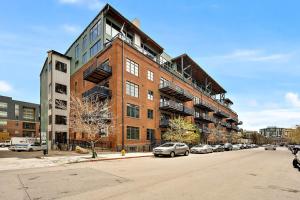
(167, 145)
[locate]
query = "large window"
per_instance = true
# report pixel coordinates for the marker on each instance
(132, 67)
(3, 122)
(17, 111)
(77, 51)
(84, 42)
(150, 134)
(132, 89)
(61, 120)
(60, 66)
(95, 49)
(111, 29)
(3, 113)
(133, 111)
(95, 31)
(150, 75)
(150, 95)
(60, 88)
(163, 82)
(133, 133)
(84, 57)
(3, 105)
(60, 104)
(28, 113)
(150, 114)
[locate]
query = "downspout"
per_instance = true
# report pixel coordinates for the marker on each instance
(123, 134)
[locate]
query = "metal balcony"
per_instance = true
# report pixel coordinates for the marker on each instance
(98, 73)
(171, 106)
(101, 92)
(205, 130)
(225, 124)
(203, 105)
(164, 123)
(232, 119)
(234, 127)
(187, 111)
(204, 118)
(221, 114)
(175, 91)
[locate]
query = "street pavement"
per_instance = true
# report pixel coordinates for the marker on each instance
(245, 174)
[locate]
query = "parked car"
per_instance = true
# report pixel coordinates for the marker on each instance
(30, 147)
(296, 161)
(270, 147)
(217, 148)
(228, 147)
(235, 147)
(202, 148)
(171, 149)
(5, 143)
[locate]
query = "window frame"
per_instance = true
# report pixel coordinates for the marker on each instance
(132, 67)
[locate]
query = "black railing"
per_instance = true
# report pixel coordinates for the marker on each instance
(188, 111)
(204, 117)
(175, 91)
(102, 92)
(97, 73)
(171, 105)
(202, 104)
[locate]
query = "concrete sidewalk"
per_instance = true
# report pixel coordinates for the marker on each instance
(19, 163)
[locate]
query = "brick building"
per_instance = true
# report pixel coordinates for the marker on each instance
(115, 59)
(18, 118)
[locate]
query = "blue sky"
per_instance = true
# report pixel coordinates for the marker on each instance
(250, 47)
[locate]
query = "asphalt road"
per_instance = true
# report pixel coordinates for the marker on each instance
(246, 174)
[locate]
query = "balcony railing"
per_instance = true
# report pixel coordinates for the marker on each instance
(175, 91)
(225, 124)
(205, 130)
(164, 123)
(187, 111)
(234, 127)
(233, 119)
(203, 105)
(171, 106)
(98, 73)
(221, 114)
(100, 92)
(204, 118)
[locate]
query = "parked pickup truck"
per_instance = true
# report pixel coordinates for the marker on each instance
(5, 143)
(29, 147)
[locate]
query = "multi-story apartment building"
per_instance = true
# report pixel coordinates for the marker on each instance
(113, 58)
(272, 131)
(19, 119)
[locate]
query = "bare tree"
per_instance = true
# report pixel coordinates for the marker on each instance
(90, 115)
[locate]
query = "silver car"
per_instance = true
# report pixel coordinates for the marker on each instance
(202, 148)
(171, 149)
(270, 147)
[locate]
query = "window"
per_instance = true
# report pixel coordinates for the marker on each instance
(150, 95)
(84, 57)
(60, 104)
(111, 29)
(50, 119)
(133, 133)
(76, 84)
(28, 125)
(95, 31)
(3, 122)
(61, 120)
(150, 114)
(132, 67)
(150, 75)
(60, 66)
(95, 48)
(59, 88)
(133, 111)
(28, 113)
(50, 87)
(3, 105)
(3, 113)
(17, 111)
(163, 82)
(17, 123)
(84, 43)
(77, 51)
(150, 134)
(132, 89)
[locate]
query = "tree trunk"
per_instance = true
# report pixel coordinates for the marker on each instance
(93, 150)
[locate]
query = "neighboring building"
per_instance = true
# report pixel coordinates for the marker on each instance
(156, 87)
(19, 119)
(274, 133)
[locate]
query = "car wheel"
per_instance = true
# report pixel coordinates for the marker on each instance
(295, 163)
(155, 155)
(30, 150)
(186, 153)
(172, 154)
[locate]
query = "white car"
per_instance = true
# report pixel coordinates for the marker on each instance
(6, 143)
(202, 148)
(236, 147)
(28, 147)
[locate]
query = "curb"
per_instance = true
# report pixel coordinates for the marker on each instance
(106, 159)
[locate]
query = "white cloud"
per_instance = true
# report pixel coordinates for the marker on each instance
(71, 29)
(252, 55)
(254, 120)
(293, 99)
(90, 4)
(5, 87)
